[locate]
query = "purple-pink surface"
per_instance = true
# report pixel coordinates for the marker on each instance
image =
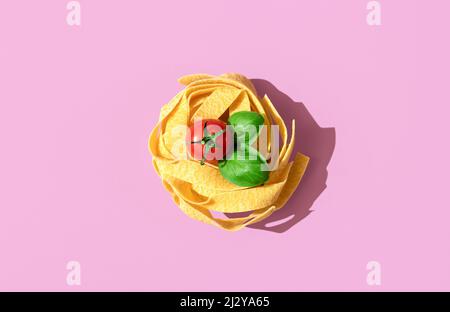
(77, 104)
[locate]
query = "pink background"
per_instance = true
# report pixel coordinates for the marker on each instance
(77, 105)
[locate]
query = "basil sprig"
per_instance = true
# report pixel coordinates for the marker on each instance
(246, 167)
(246, 125)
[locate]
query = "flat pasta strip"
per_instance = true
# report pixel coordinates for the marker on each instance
(294, 178)
(242, 79)
(217, 103)
(186, 80)
(241, 104)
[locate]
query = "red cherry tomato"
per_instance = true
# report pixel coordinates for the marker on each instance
(208, 140)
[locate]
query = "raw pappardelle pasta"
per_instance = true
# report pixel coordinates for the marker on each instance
(201, 185)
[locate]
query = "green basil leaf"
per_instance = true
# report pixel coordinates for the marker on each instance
(245, 168)
(246, 125)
